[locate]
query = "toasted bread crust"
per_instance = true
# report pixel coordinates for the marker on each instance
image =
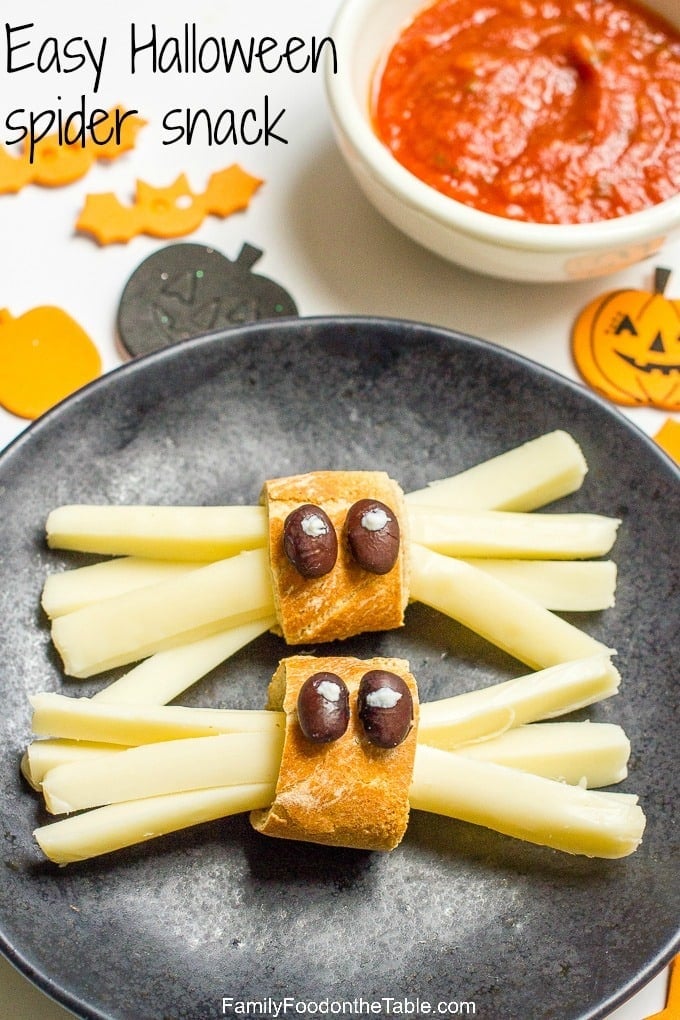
(347, 792)
(349, 600)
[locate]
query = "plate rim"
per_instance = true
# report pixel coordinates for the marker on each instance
(234, 333)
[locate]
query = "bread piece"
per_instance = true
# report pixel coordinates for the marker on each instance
(349, 600)
(347, 792)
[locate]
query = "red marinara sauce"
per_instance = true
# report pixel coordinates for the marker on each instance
(552, 111)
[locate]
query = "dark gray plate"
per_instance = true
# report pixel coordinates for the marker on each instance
(456, 914)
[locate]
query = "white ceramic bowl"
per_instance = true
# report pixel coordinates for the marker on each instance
(363, 31)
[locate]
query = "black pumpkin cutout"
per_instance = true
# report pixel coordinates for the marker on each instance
(188, 290)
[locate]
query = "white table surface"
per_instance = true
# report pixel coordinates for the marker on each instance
(320, 238)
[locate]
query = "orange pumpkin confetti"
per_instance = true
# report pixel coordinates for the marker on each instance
(44, 357)
(173, 211)
(626, 345)
(671, 1010)
(668, 438)
(55, 164)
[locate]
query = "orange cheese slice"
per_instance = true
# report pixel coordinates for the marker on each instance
(44, 357)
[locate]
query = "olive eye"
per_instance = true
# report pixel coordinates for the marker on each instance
(373, 535)
(385, 708)
(323, 707)
(310, 541)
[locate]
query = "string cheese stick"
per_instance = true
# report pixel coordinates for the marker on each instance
(524, 478)
(560, 585)
(136, 624)
(175, 766)
(460, 533)
(162, 532)
(165, 675)
(68, 590)
(579, 753)
(121, 825)
(497, 612)
(56, 715)
(81, 725)
(529, 807)
(448, 722)
(475, 715)
(155, 681)
(43, 755)
(519, 804)
(139, 623)
(521, 479)
(499, 533)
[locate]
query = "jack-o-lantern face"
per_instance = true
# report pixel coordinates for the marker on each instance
(626, 345)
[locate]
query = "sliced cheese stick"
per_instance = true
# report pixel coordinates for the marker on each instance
(475, 715)
(161, 532)
(165, 675)
(518, 804)
(579, 753)
(134, 625)
(46, 754)
(116, 826)
(139, 623)
(195, 763)
(56, 715)
(447, 723)
(529, 807)
(68, 590)
(500, 534)
(560, 585)
(524, 478)
(497, 612)
(155, 681)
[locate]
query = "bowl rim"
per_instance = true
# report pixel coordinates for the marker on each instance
(351, 122)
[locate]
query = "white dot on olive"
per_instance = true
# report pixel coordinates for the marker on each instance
(374, 520)
(313, 526)
(329, 691)
(384, 697)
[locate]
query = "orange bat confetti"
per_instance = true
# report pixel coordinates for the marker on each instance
(173, 211)
(52, 163)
